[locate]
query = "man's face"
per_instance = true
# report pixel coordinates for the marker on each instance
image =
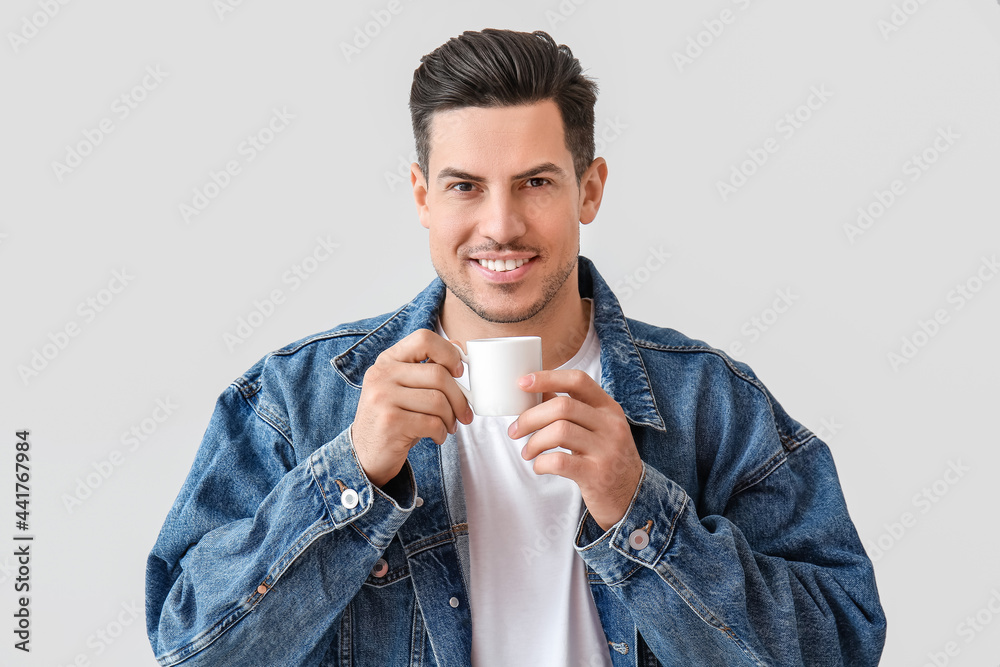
(501, 187)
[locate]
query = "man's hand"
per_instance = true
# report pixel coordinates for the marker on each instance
(403, 400)
(604, 462)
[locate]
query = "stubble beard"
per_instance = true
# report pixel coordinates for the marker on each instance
(550, 288)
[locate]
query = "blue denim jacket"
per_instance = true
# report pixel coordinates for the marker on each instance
(267, 556)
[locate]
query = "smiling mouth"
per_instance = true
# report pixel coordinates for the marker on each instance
(500, 265)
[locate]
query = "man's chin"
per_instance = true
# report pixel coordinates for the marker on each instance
(501, 303)
(509, 314)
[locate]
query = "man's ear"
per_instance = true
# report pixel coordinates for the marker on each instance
(419, 185)
(592, 189)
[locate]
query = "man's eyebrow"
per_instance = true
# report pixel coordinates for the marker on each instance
(545, 167)
(451, 172)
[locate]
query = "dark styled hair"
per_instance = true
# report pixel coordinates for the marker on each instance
(501, 68)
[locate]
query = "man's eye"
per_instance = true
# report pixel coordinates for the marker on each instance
(537, 182)
(462, 187)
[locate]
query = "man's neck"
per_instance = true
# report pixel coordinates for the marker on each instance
(562, 331)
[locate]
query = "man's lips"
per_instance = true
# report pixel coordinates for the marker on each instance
(507, 275)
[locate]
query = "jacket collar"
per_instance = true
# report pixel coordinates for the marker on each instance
(623, 374)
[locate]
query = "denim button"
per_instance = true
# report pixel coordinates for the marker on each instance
(419, 502)
(638, 539)
(381, 567)
(453, 602)
(349, 498)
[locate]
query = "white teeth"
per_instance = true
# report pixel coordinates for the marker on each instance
(501, 265)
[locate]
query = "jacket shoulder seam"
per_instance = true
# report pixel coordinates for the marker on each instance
(764, 471)
(706, 350)
(250, 385)
(327, 335)
(247, 391)
(789, 442)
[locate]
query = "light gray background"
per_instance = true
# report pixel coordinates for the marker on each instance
(670, 134)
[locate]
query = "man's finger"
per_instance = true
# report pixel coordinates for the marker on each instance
(424, 344)
(432, 377)
(561, 464)
(567, 435)
(559, 408)
(574, 382)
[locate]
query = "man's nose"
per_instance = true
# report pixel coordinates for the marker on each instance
(502, 218)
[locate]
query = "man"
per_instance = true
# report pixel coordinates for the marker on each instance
(346, 507)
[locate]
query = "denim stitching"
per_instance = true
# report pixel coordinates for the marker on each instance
(788, 443)
(259, 411)
(390, 577)
(707, 350)
(766, 473)
(296, 347)
(416, 637)
(364, 338)
(761, 473)
(267, 414)
(346, 637)
(206, 638)
(659, 425)
(443, 537)
(705, 614)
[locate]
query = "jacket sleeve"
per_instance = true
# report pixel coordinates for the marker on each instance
(260, 554)
(777, 577)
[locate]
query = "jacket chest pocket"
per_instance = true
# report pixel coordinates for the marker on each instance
(382, 625)
(390, 568)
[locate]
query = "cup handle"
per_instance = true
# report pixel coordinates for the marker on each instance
(468, 372)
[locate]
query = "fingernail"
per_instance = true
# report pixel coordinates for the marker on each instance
(512, 429)
(524, 452)
(526, 380)
(468, 414)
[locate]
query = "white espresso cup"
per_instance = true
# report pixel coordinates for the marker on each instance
(494, 367)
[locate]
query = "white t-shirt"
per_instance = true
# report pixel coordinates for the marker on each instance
(530, 600)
